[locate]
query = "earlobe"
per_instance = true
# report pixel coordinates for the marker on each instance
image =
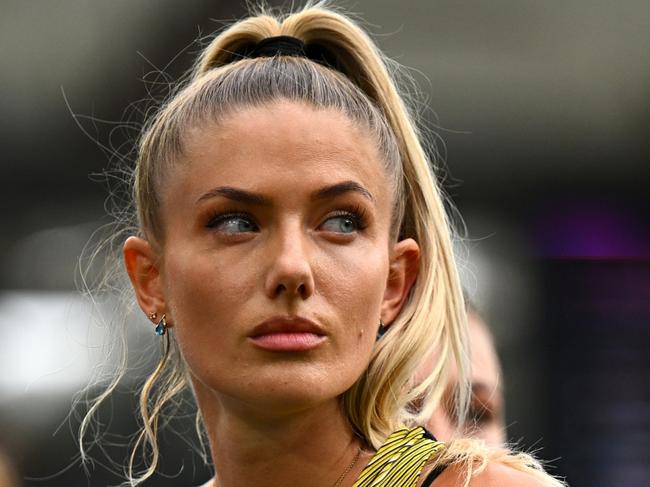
(402, 274)
(141, 262)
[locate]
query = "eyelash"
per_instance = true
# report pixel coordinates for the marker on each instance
(355, 212)
(222, 216)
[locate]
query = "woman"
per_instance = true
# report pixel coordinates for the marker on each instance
(294, 255)
(486, 413)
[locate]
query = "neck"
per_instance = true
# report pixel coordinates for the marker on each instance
(313, 446)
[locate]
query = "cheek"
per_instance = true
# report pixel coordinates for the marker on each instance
(353, 290)
(202, 296)
(354, 285)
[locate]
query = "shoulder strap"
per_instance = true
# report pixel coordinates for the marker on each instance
(399, 461)
(433, 475)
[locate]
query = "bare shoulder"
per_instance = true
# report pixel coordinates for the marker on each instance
(498, 474)
(495, 474)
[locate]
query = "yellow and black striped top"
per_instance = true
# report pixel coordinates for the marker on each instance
(400, 460)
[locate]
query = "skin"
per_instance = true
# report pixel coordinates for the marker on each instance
(494, 475)
(486, 414)
(274, 418)
(8, 477)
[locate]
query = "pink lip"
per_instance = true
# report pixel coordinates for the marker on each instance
(287, 334)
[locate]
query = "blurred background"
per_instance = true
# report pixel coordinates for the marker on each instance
(542, 113)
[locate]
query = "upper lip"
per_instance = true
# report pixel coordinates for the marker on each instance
(286, 324)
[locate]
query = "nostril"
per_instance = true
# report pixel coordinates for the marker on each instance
(302, 290)
(299, 290)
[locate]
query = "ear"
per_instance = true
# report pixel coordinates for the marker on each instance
(141, 262)
(402, 273)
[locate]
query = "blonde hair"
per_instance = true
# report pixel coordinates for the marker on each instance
(354, 78)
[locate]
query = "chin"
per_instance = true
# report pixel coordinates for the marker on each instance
(276, 404)
(273, 392)
(293, 388)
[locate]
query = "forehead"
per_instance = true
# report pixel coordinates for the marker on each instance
(284, 141)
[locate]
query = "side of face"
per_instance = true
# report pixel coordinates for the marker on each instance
(280, 211)
(485, 419)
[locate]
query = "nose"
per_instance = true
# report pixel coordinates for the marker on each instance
(290, 272)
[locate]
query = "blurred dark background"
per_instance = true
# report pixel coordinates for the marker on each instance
(543, 113)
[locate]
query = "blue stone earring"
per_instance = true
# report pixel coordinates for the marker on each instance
(161, 326)
(382, 329)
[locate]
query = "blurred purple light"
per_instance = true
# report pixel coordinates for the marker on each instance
(591, 231)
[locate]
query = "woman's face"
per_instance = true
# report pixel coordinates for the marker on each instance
(276, 258)
(485, 419)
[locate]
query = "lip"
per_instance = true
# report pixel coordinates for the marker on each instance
(287, 334)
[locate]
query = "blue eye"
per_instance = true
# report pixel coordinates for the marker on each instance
(233, 223)
(341, 224)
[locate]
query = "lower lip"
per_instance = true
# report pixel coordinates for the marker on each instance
(288, 342)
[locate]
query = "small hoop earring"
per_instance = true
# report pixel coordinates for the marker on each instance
(161, 327)
(382, 329)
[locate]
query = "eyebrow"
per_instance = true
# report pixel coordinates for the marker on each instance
(234, 194)
(243, 196)
(330, 192)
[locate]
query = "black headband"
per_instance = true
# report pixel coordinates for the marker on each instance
(279, 46)
(291, 46)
